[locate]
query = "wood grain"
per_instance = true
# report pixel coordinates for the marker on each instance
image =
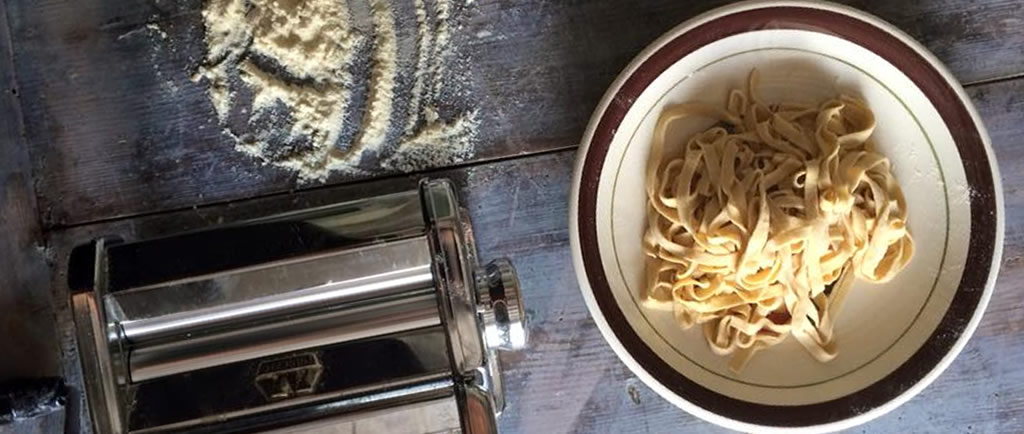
(569, 380)
(115, 132)
(116, 128)
(26, 321)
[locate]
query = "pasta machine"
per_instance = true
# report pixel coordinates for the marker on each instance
(365, 316)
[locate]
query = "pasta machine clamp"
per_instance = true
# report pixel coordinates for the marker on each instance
(370, 315)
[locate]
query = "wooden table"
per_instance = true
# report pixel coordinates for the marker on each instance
(91, 144)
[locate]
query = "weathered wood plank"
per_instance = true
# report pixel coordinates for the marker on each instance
(116, 128)
(569, 380)
(27, 340)
(1001, 105)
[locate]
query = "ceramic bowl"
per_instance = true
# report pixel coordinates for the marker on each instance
(894, 338)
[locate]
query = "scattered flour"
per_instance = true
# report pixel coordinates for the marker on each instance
(155, 28)
(377, 117)
(152, 32)
(152, 27)
(285, 76)
(442, 40)
(425, 42)
(423, 146)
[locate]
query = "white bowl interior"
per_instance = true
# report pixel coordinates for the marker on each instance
(880, 326)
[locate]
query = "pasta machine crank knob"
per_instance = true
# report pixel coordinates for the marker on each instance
(500, 304)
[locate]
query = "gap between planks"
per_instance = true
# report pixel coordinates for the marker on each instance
(370, 181)
(993, 80)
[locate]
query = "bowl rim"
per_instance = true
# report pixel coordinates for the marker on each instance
(987, 216)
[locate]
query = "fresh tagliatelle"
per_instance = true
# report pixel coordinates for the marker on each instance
(757, 229)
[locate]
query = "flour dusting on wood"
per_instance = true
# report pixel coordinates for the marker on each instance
(318, 86)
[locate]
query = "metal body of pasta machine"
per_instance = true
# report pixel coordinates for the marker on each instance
(365, 316)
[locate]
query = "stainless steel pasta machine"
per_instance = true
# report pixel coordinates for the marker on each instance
(365, 316)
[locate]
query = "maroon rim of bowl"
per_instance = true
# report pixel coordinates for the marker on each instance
(970, 145)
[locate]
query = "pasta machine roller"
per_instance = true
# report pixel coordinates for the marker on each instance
(365, 316)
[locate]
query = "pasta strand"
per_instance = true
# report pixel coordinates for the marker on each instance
(757, 231)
